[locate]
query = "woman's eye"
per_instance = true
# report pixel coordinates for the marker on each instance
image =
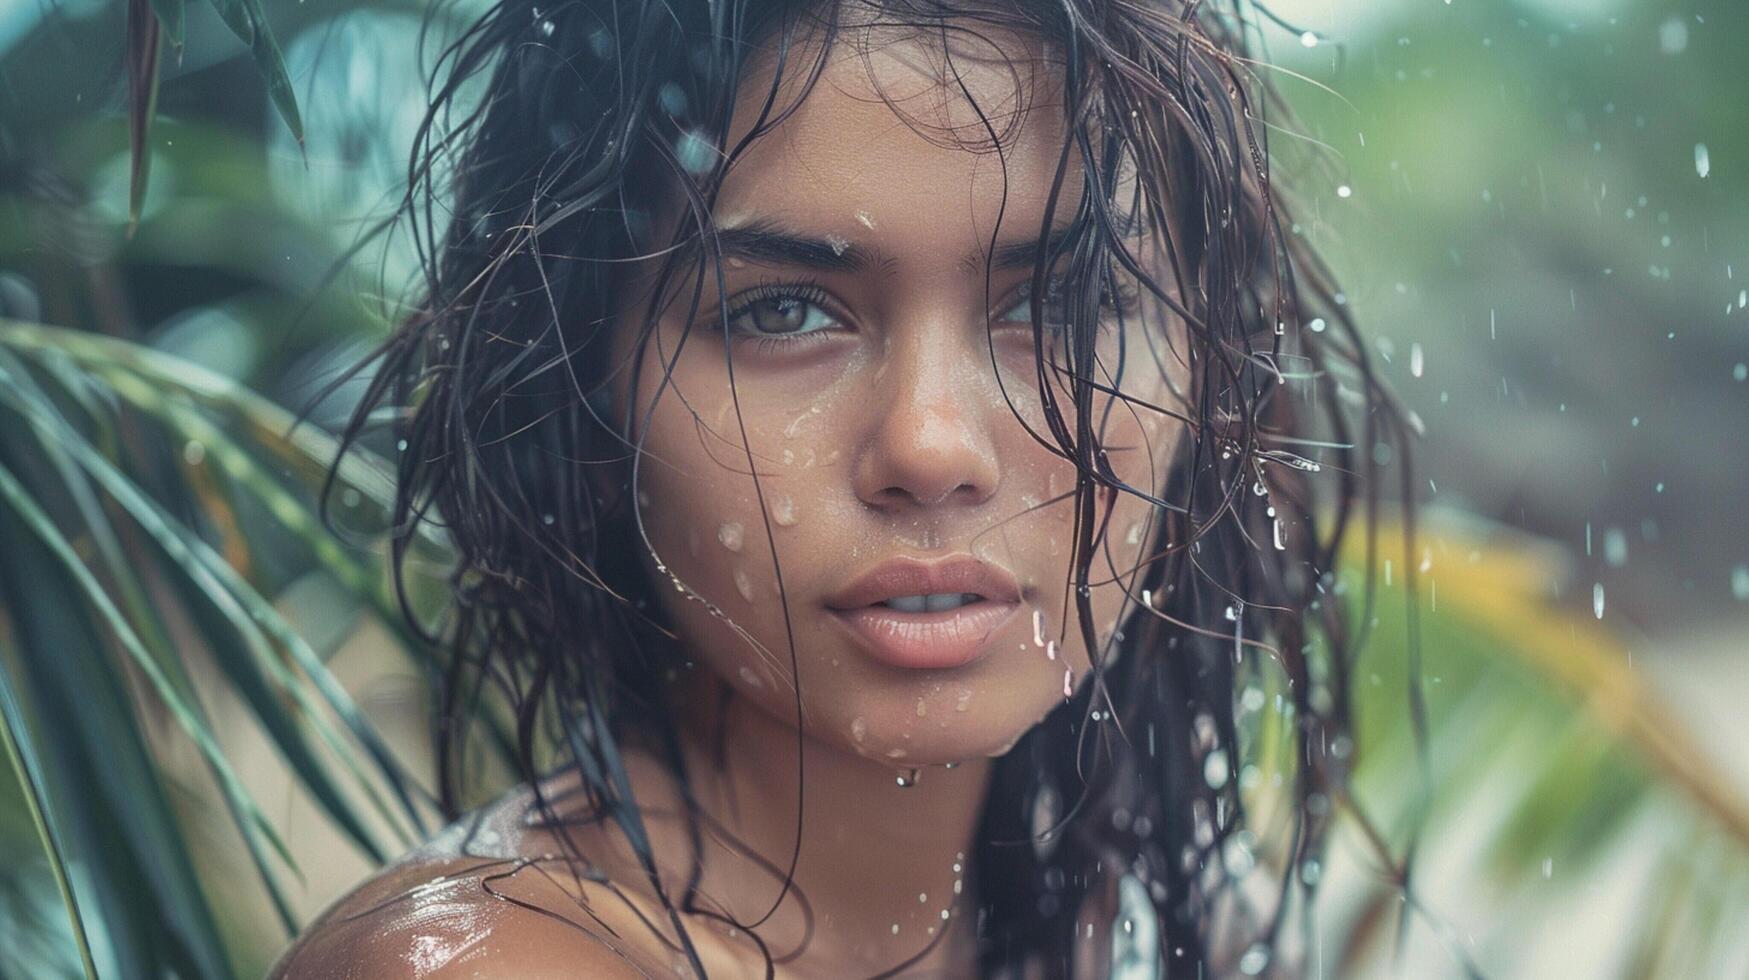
(1057, 313)
(779, 315)
(1021, 312)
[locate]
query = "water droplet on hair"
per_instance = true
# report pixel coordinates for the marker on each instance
(1215, 769)
(1237, 855)
(547, 519)
(730, 534)
(838, 243)
(695, 152)
(743, 585)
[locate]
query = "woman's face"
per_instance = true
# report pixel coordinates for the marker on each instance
(872, 377)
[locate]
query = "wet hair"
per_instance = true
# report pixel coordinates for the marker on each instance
(553, 134)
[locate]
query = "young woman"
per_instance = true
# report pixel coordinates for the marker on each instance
(891, 449)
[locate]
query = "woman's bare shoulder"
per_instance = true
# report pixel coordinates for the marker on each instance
(486, 918)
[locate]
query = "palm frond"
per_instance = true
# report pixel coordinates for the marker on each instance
(95, 559)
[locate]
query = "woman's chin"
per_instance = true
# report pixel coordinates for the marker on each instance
(923, 741)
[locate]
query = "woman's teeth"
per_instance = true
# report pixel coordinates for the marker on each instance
(934, 602)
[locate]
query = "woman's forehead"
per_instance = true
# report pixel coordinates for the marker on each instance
(906, 146)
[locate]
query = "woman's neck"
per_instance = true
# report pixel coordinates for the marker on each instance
(873, 854)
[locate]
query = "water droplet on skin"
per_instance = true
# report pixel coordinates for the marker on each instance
(909, 777)
(895, 753)
(730, 534)
(839, 244)
(1050, 649)
(783, 511)
(744, 585)
(751, 679)
(1038, 628)
(962, 702)
(1254, 960)
(866, 221)
(1068, 683)
(1597, 600)
(1134, 535)
(922, 708)
(858, 729)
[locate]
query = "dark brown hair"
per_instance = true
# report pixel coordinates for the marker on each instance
(553, 131)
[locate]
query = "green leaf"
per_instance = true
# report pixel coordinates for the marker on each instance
(27, 765)
(143, 49)
(251, 821)
(249, 23)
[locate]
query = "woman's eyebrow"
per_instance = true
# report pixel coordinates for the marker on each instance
(768, 242)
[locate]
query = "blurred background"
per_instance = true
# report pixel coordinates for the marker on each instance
(1539, 210)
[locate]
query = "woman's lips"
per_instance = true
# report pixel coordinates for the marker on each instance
(928, 640)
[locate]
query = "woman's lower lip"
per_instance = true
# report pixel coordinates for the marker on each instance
(928, 640)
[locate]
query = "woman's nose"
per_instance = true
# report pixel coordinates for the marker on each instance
(930, 439)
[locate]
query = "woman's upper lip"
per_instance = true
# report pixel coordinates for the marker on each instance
(910, 576)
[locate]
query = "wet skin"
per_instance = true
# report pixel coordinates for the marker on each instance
(874, 389)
